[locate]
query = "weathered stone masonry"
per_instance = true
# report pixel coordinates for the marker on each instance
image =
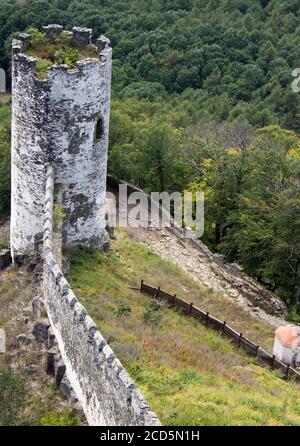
(105, 391)
(59, 141)
(62, 120)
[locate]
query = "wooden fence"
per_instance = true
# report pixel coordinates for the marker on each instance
(209, 321)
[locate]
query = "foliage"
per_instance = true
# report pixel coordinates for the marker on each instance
(4, 159)
(61, 51)
(70, 57)
(58, 215)
(152, 314)
(123, 309)
(12, 398)
(37, 37)
(55, 418)
(252, 205)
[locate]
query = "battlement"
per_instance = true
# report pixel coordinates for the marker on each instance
(80, 37)
(79, 40)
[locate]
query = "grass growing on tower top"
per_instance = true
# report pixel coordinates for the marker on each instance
(61, 51)
(190, 375)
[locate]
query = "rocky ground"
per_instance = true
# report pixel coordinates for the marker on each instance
(31, 350)
(182, 253)
(209, 269)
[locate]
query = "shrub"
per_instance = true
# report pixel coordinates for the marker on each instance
(152, 314)
(68, 57)
(42, 67)
(37, 37)
(123, 309)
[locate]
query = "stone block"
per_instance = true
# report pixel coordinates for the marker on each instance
(40, 330)
(5, 258)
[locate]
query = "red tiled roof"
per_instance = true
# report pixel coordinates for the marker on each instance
(288, 336)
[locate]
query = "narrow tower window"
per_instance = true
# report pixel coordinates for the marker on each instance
(99, 129)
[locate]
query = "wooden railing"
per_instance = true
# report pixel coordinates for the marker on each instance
(221, 326)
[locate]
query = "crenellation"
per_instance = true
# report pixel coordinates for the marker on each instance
(25, 38)
(80, 311)
(17, 47)
(109, 354)
(90, 324)
(52, 31)
(99, 341)
(102, 43)
(81, 36)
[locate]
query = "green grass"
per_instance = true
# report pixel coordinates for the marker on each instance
(190, 375)
(17, 409)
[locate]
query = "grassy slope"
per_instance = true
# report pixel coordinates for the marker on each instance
(190, 375)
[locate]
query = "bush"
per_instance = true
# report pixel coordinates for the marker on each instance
(152, 314)
(37, 37)
(123, 309)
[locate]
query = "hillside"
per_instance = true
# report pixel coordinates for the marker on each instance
(189, 374)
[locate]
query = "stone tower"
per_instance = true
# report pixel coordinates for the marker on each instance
(61, 120)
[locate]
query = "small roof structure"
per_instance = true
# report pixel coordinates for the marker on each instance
(288, 336)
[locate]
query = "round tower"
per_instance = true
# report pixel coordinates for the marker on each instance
(60, 118)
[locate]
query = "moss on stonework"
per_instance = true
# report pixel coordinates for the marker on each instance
(61, 51)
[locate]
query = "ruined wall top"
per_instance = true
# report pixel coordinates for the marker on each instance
(79, 38)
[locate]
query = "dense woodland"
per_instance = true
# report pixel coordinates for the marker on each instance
(202, 100)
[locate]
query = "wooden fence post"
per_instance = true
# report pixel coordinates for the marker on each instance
(289, 372)
(240, 339)
(191, 306)
(206, 320)
(273, 362)
(223, 327)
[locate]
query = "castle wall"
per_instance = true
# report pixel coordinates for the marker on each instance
(62, 120)
(105, 391)
(29, 154)
(79, 102)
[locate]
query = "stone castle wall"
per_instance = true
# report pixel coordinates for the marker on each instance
(62, 120)
(106, 393)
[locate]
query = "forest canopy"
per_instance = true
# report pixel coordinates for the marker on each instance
(220, 59)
